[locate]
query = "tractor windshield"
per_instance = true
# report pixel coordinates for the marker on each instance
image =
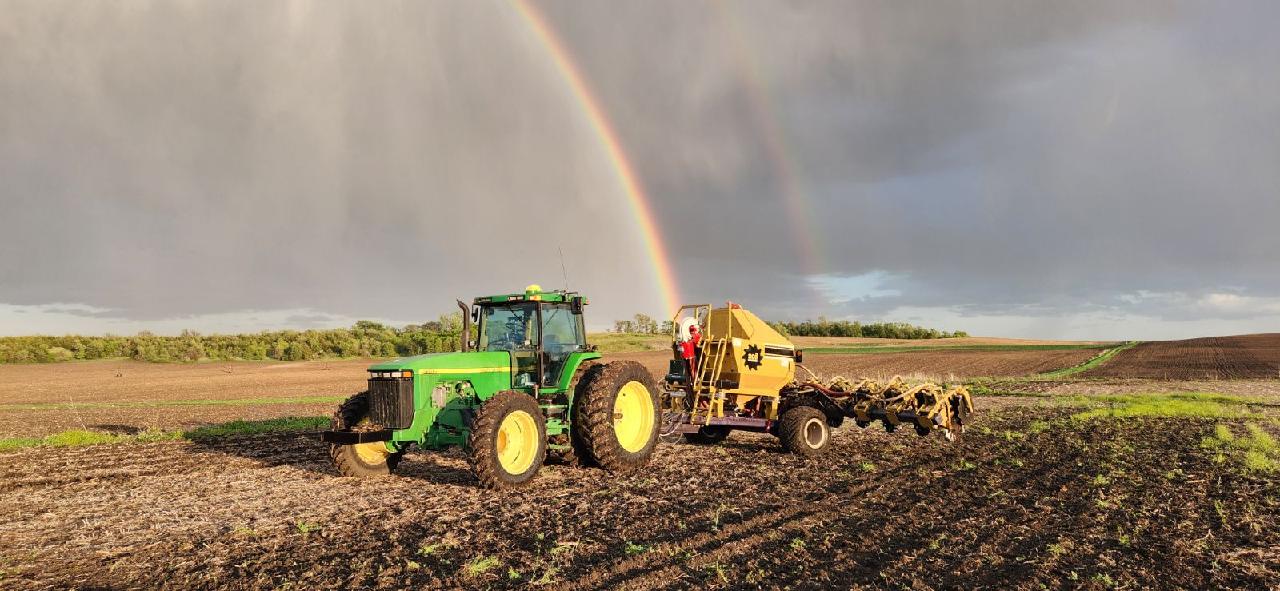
(509, 328)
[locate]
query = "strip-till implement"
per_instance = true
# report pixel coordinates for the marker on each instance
(732, 371)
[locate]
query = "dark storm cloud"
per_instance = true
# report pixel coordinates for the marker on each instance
(173, 159)
(991, 157)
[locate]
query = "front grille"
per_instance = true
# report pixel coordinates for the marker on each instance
(391, 402)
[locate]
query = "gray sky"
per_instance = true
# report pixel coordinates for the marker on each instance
(1081, 170)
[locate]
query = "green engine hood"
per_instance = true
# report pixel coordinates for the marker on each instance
(451, 363)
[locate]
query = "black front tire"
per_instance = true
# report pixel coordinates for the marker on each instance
(365, 459)
(485, 446)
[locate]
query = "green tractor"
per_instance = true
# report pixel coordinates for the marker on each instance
(532, 388)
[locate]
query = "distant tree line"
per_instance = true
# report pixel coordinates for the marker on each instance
(642, 324)
(845, 328)
(365, 339)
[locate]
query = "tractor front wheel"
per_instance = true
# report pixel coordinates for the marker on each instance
(804, 431)
(616, 415)
(508, 440)
(361, 459)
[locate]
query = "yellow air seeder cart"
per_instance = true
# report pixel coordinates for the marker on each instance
(733, 371)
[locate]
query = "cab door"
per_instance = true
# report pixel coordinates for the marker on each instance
(562, 335)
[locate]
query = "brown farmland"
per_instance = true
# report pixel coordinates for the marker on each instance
(129, 396)
(1017, 513)
(1238, 357)
(1029, 498)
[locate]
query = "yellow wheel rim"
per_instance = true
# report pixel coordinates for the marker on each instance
(633, 416)
(517, 444)
(372, 453)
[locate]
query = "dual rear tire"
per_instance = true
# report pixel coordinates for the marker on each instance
(615, 426)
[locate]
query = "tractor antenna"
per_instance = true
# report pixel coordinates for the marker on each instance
(562, 268)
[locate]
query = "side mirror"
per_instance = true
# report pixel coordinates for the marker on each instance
(475, 314)
(575, 305)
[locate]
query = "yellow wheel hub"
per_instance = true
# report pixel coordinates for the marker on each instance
(633, 416)
(517, 444)
(372, 453)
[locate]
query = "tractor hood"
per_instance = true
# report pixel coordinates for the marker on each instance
(451, 363)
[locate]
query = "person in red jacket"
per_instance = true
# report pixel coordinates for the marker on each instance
(689, 351)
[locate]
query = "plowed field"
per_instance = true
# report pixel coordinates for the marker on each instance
(128, 396)
(1132, 504)
(1246, 356)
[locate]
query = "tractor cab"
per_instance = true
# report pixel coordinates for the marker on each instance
(539, 329)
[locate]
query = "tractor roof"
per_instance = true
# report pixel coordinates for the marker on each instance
(533, 293)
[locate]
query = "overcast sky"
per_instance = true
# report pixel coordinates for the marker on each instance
(1034, 169)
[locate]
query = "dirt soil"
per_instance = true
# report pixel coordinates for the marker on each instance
(121, 380)
(127, 396)
(1132, 504)
(1239, 357)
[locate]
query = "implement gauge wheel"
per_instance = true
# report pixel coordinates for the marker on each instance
(616, 415)
(709, 435)
(361, 459)
(804, 431)
(508, 440)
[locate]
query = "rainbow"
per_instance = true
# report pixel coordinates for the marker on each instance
(639, 202)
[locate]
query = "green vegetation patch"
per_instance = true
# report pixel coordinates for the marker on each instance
(935, 348)
(1256, 450)
(83, 437)
(235, 428)
(1096, 361)
(1165, 405)
(167, 403)
(612, 342)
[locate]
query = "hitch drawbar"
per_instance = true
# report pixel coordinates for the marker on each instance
(355, 437)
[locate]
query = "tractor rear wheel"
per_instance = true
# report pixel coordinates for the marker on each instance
(508, 440)
(361, 459)
(616, 415)
(709, 435)
(804, 431)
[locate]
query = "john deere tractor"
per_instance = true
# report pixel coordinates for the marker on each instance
(532, 388)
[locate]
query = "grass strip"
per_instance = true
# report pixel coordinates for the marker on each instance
(168, 403)
(1095, 361)
(83, 437)
(1159, 405)
(937, 348)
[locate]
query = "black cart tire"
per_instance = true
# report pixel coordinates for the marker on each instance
(709, 435)
(804, 431)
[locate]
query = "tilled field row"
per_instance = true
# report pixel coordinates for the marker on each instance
(1097, 503)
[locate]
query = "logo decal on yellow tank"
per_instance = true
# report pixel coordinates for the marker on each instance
(753, 357)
